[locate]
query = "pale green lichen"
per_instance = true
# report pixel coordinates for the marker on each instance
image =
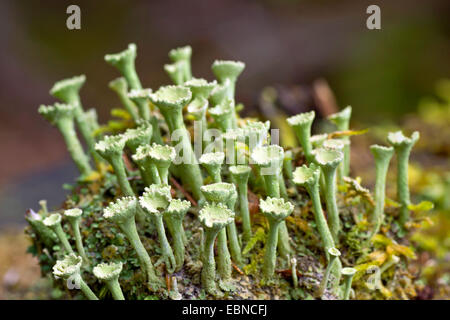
(402, 146)
(111, 149)
(212, 162)
(308, 177)
(348, 274)
(109, 273)
(240, 175)
(120, 87)
(122, 213)
(140, 98)
(53, 221)
(329, 160)
(201, 90)
(136, 137)
(214, 218)
(275, 210)
(269, 161)
(162, 156)
(223, 115)
(256, 133)
(221, 193)
(69, 269)
(124, 62)
(61, 116)
(174, 216)
(67, 90)
(342, 121)
(182, 56)
(74, 217)
(155, 200)
(170, 100)
(228, 71)
(301, 123)
(334, 257)
(382, 156)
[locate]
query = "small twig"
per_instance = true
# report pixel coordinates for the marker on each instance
(237, 269)
(324, 97)
(127, 162)
(168, 282)
(186, 194)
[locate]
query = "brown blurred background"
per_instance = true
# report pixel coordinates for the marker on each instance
(381, 73)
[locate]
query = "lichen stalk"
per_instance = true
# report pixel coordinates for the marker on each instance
(228, 71)
(382, 156)
(182, 57)
(147, 167)
(240, 175)
(402, 146)
(174, 216)
(275, 210)
(67, 90)
(109, 274)
(342, 121)
(53, 221)
(334, 258)
(161, 156)
(74, 217)
(140, 98)
(223, 115)
(220, 193)
(201, 89)
(111, 149)
(62, 115)
(120, 87)
(329, 160)
(348, 274)
(214, 218)
(269, 160)
(155, 200)
(212, 162)
(69, 269)
(337, 144)
(170, 100)
(122, 212)
(124, 61)
(301, 124)
(235, 247)
(308, 177)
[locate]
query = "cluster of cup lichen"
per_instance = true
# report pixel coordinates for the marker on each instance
(145, 225)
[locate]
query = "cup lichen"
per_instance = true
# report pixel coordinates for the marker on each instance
(155, 200)
(74, 217)
(402, 146)
(329, 160)
(109, 273)
(122, 212)
(171, 100)
(275, 210)
(214, 218)
(61, 116)
(69, 269)
(53, 221)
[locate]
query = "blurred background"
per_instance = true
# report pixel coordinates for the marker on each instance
(289, 44)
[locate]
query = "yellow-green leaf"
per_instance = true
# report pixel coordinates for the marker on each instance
(120, 113)
(422, 206)
(346, 133)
